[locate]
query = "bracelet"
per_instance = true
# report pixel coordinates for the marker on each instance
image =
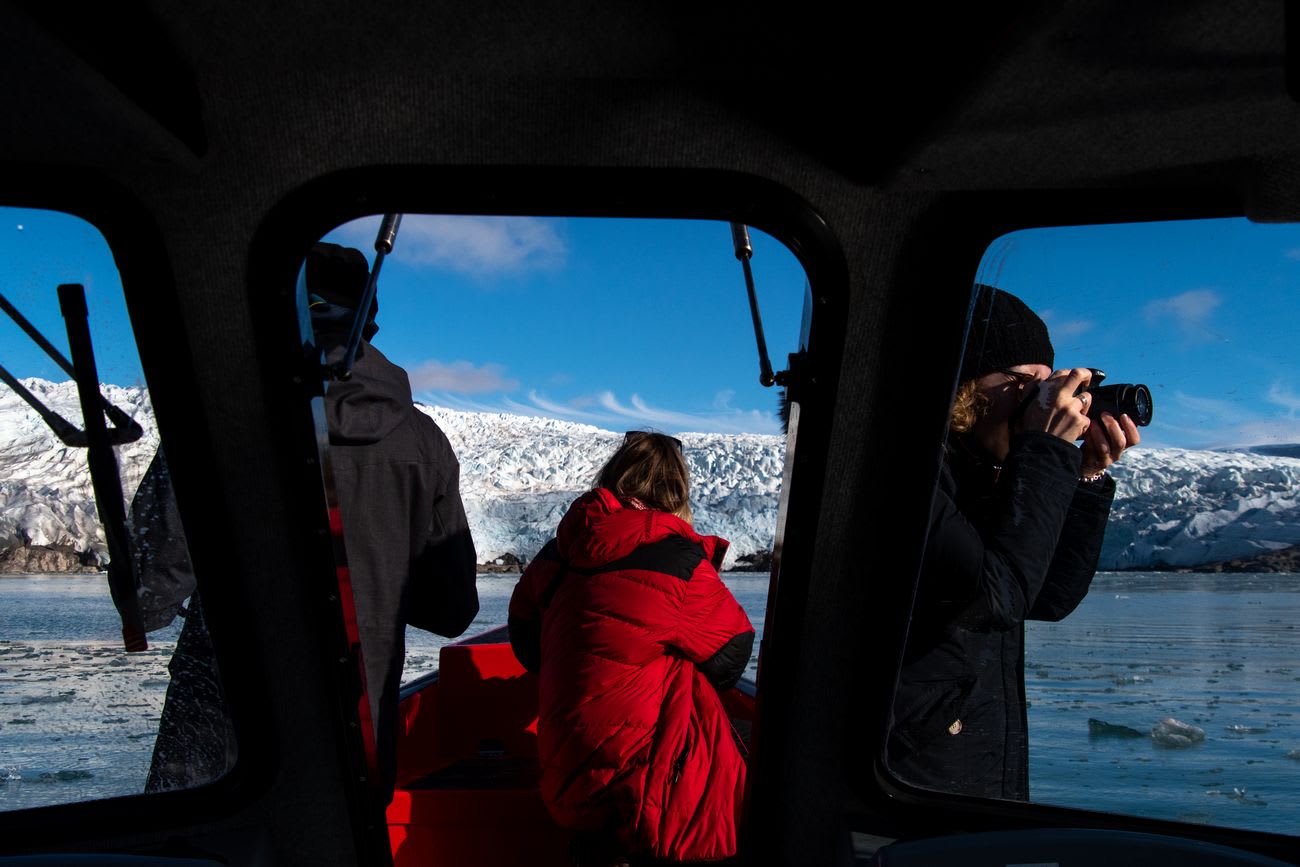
(1093, 477)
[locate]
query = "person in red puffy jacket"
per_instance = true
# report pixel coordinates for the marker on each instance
(633, 634)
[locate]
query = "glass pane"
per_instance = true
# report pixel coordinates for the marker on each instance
(1168, 685)
(79, 716)
(534, 343)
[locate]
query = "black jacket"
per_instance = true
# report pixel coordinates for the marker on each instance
(409, 550)
(1004, 546)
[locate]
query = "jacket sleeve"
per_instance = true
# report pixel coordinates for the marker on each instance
(443, 595)
(1077, 552)
(526, 604)
(713, 631)
(164, 575)
(992, 567)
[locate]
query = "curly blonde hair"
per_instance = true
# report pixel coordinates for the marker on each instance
(968, 407)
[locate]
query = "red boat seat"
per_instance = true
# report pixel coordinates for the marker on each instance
(467, 757)
(492, 703)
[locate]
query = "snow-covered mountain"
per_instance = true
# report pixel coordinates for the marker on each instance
(518, 475)
(46, 501)
(1174, 507)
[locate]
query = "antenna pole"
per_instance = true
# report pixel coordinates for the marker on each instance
(744, 251)
(383, 246)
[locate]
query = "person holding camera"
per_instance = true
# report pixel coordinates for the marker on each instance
(1015, 533)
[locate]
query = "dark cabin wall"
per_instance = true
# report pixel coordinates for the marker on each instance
(912, 138)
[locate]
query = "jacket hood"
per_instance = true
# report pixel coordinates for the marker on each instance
(599, 529)
(367, 407)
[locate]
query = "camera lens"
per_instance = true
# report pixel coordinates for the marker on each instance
(1141, 405)
(1127, 399)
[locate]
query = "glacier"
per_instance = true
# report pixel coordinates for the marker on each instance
(1174, 508)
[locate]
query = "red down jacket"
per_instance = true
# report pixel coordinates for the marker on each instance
(633, 634)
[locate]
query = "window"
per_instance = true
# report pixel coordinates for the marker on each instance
(79, 716)
(534, 343)
(1171, 690)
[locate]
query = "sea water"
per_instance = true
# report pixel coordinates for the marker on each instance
(1219, 653)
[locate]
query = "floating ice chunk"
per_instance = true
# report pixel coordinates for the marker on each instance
(1173, 734)
(1294, 755)
(1098, 728)
(1236, 794)
(60, 698)
(1246, 730)
(64, 776)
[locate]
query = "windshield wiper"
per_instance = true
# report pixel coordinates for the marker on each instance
(125, 429)
(98, 439)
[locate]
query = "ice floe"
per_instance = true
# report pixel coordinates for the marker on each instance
(1174, 734)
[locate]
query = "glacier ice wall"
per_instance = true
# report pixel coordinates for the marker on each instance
(1184, 508)
(1173, 507)
(45, 492)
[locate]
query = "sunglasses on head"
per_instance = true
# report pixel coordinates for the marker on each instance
(633, 436)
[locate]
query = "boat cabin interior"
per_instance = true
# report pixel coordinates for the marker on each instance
(887, 148)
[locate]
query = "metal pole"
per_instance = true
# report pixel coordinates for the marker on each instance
(383, 246)
(744, 250)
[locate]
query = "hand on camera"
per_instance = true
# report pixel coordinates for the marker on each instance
(1105, 442)
(1056, 410)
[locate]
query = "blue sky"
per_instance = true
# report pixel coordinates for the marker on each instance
(38, 251)
(1206, 313)
(634, 323)
(617, 323)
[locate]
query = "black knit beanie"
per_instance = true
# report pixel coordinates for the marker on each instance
(1004, 332)
(338, 275)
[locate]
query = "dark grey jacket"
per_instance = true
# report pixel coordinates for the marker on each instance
(409, 550)
(1003, 547)
(410, 557)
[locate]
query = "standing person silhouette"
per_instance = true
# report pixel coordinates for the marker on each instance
(1015, 533)
(410, 553)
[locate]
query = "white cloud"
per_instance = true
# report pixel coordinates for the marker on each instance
(1271, 432)
(1188, 310)
(606, 411)
(1293, 253)
(1208, 407)
(459, 377)
(1283, 396)
(1215, 423)
(551, 408)
(1064, 329)
(478, 246)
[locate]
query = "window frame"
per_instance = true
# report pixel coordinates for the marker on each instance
(946, 246)
(325, 203)
(141, 256)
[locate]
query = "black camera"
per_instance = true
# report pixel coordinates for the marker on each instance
(1127, 398)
